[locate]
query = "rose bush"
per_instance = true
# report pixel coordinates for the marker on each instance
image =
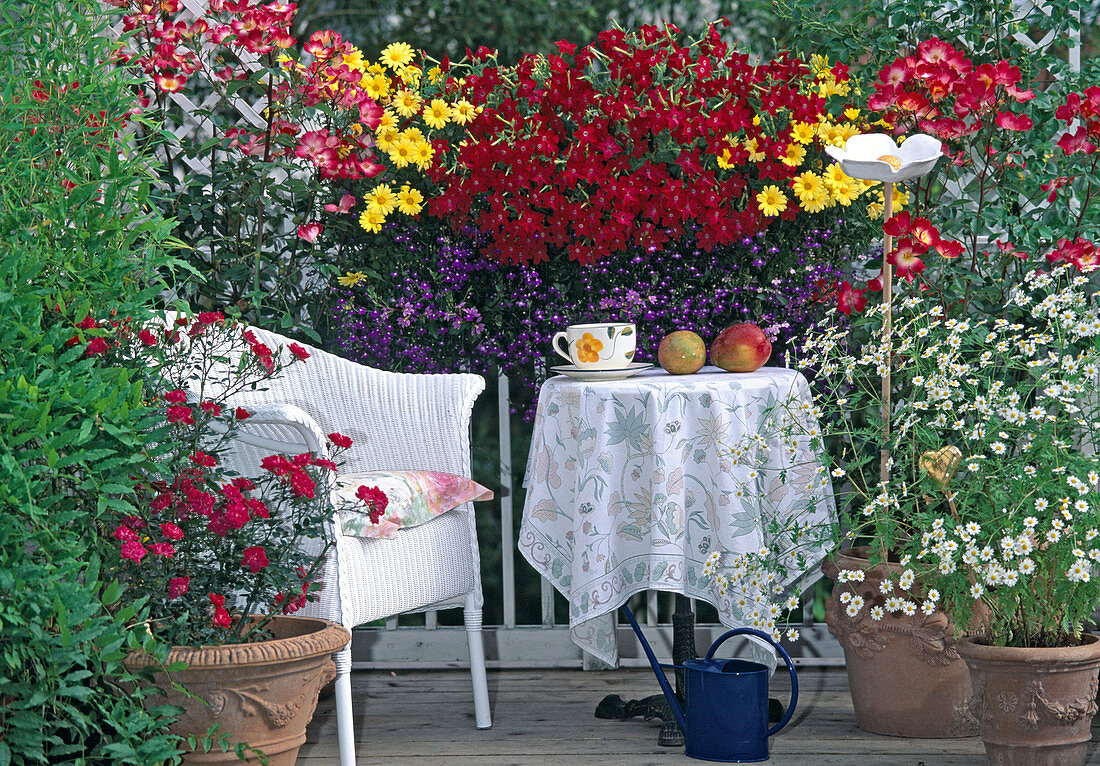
(208, 539)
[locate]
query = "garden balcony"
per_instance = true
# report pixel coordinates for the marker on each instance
(546, 717)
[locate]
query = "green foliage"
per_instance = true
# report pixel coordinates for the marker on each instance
(76, 233)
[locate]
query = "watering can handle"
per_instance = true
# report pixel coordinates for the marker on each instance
(782, 653)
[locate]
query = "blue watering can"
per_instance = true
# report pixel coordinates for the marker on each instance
(727, 701)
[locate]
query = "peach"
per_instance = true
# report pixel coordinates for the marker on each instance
(740, 348)
(682, 352)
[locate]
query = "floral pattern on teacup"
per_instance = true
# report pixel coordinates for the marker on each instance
(589, 348)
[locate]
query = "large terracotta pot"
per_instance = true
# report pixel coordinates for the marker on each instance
(1035, 706)
(904, 673)
(262, 693)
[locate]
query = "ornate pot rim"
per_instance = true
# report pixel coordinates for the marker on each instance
(1085, 653)
(309, 637)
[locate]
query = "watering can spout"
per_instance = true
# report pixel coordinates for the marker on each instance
(726, 716)
(673, 701)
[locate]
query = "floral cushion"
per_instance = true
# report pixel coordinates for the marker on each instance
(414, 498)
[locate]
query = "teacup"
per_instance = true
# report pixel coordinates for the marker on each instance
(598, 346)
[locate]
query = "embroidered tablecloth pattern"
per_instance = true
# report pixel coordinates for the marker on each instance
(631, 484)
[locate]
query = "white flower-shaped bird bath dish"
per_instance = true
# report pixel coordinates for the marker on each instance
(876, 157)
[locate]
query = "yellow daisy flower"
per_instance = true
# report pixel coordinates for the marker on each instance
(794, 155)
(386, 121)
(802, 132)
(834, 175)
(434, 74)
(377, 86)
(817, 204)
(422, 154)
(410, 201)
(402, 152)
(413, 134)
(385, 138)
(351, 279)
(406, 103)
(724, 159)
(844, 192)
(772, 201)
(354, 60)
(410, 75)
(851, 113)
(463, 112)
(808, 187)
(382, 199)
(437, 114)
(376, 68)
(846, 130)
(396, 55)
(371, 220)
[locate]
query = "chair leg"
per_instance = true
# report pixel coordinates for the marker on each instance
(345, 721)
(472, 617)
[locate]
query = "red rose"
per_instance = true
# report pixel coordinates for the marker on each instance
(255, 558)
(96, 346)
(180, 413)
(133, 550)
(212, 408)
(301, 485)
(148, 338)
(163, 549)
(201, 458)
(177, 586)
(86, 323)
(124, 533)
(178, 396)
(171, 531)
(375, 500)
(216, 599)
(221, 617)
(242, 414)
(298, 351)
(339, 440)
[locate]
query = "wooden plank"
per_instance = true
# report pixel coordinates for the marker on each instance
(546, 717)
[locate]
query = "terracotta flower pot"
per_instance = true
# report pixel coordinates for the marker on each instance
(1035, 706)
(914, 653)
(262, 693)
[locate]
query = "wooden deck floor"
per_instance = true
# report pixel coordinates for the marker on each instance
(546, 717)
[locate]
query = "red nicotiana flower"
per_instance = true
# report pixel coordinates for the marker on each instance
(87, 323)
(148, 338)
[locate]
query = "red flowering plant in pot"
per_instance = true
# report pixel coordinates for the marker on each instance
(639, 141)
(221, 543)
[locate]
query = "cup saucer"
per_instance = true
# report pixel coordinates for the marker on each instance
(617, 374)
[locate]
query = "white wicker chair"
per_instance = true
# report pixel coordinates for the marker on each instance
(396, 421)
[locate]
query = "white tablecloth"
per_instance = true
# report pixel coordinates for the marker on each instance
(631, 486)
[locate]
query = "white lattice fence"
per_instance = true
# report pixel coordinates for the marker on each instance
(193, 128)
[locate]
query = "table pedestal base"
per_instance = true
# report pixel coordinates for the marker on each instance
(683, 648)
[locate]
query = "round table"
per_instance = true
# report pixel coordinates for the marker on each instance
(631, 485)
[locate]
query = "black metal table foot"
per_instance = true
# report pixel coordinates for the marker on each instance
(670, 735)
